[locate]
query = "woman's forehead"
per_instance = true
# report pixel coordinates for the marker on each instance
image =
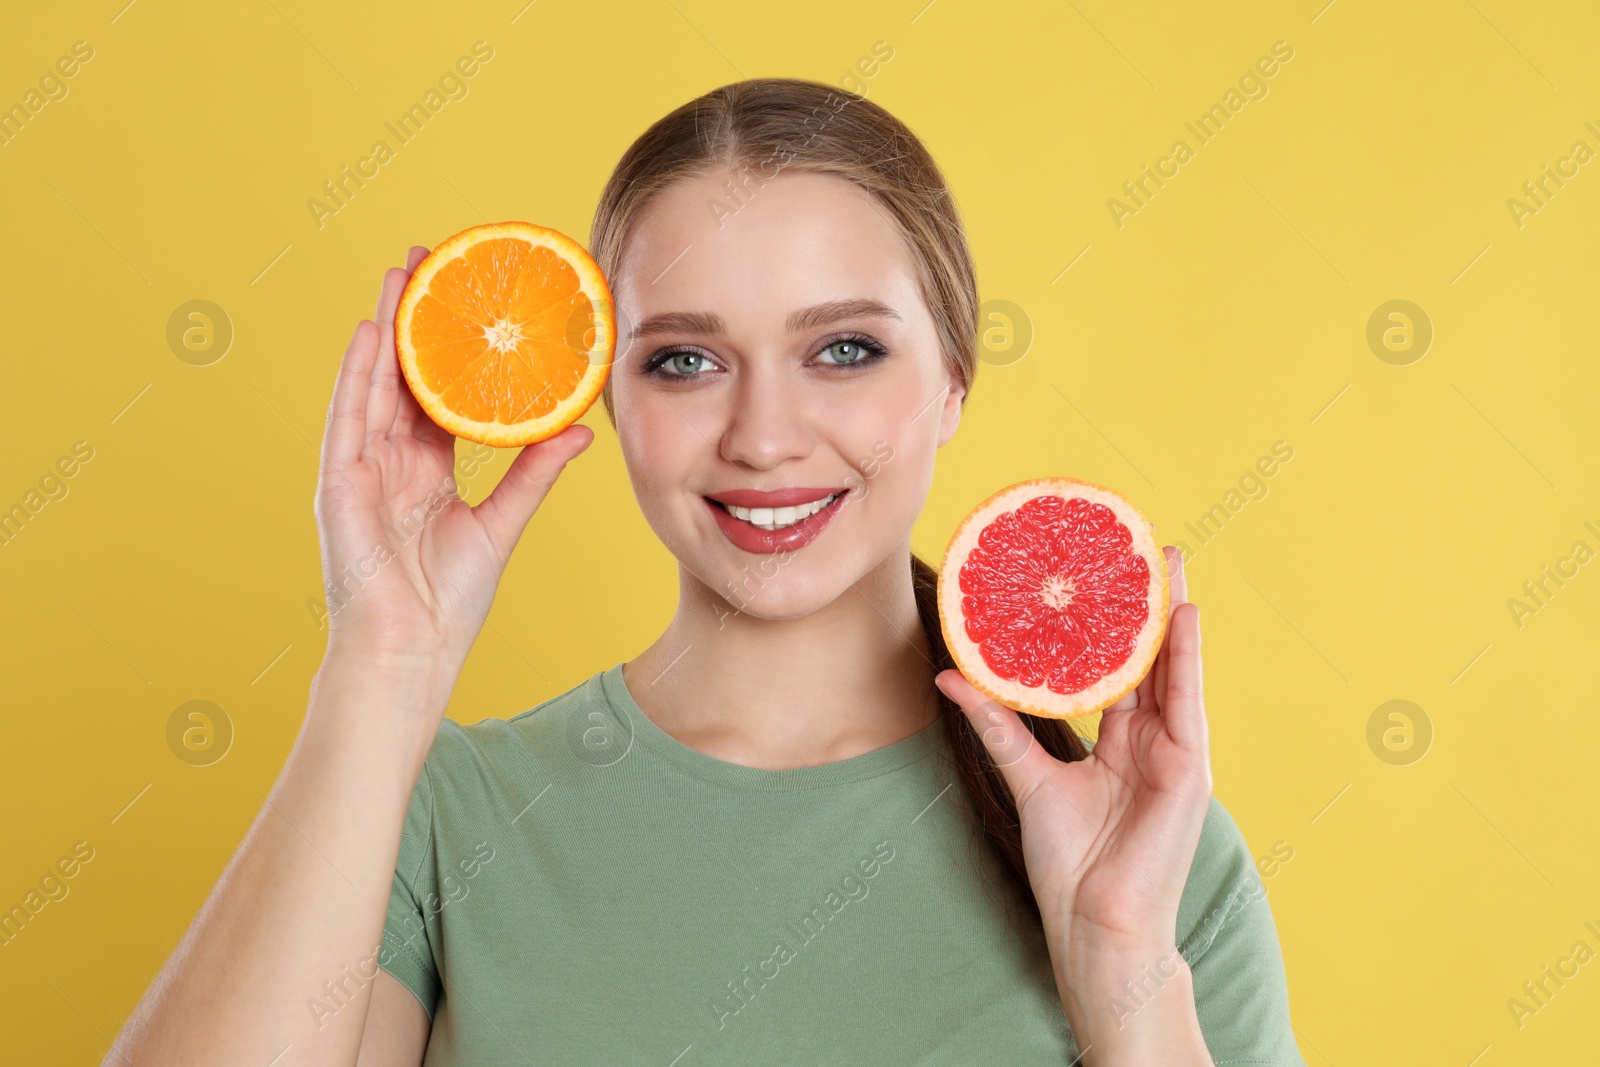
(795, 242)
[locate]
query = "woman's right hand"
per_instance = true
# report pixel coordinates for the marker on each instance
(409, 568)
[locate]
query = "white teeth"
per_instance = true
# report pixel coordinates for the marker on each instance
(779, 518)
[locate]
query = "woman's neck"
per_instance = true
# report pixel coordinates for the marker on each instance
(850, 678)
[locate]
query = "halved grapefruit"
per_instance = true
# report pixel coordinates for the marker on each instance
(506, 333)
(1053, 597)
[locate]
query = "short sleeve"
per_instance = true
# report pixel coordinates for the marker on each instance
(407, 951)
(1227, 936)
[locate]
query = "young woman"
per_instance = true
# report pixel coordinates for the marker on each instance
(787, 831)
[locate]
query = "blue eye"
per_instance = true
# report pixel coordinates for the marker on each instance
(853, 350)
(856, 348)
(656, 362)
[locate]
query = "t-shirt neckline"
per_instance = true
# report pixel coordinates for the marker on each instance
(855, 769)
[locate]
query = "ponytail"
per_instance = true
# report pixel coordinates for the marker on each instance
(990, 805)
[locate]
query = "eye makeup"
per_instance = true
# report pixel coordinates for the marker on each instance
(873, 352)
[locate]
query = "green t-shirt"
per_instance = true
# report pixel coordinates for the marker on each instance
(577, 886)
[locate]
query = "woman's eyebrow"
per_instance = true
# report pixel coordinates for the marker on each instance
(706, 322)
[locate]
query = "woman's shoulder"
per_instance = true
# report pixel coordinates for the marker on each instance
(1227, 935)
(1223, 885)
(491, 732)
(491, 758)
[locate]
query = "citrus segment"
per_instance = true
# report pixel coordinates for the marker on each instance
(1053, 597)
(505, 333)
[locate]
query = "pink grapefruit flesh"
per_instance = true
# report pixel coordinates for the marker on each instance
(1053, 597)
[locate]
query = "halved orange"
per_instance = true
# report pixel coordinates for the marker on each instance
(506, 333)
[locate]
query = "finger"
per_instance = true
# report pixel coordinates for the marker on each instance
(1177, 593)
(387, 384)
(345, 430)
(1023, 762)
(1177, 580)
(506, 511)
(408, 413)
(1132, 698)
(1183, 702)
(1144, 692)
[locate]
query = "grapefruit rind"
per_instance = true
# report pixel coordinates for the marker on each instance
(600, 354)
(1042, 701)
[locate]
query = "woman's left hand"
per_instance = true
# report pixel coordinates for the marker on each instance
(1108, 840)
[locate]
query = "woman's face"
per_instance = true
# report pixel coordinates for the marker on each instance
(779, 345)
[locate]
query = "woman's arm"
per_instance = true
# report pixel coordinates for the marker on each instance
(410, 571)
(397, 1026)
(304, 898)
(1134, 1008)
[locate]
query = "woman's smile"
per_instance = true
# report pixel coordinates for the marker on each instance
(784, 520)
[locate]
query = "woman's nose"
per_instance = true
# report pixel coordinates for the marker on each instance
(769, 421)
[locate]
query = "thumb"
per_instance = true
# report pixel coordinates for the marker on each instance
(1022, 761)
(506, 511)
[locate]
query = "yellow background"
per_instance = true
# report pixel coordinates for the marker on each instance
(1229, 313)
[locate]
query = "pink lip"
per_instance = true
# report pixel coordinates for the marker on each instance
(754, 539)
